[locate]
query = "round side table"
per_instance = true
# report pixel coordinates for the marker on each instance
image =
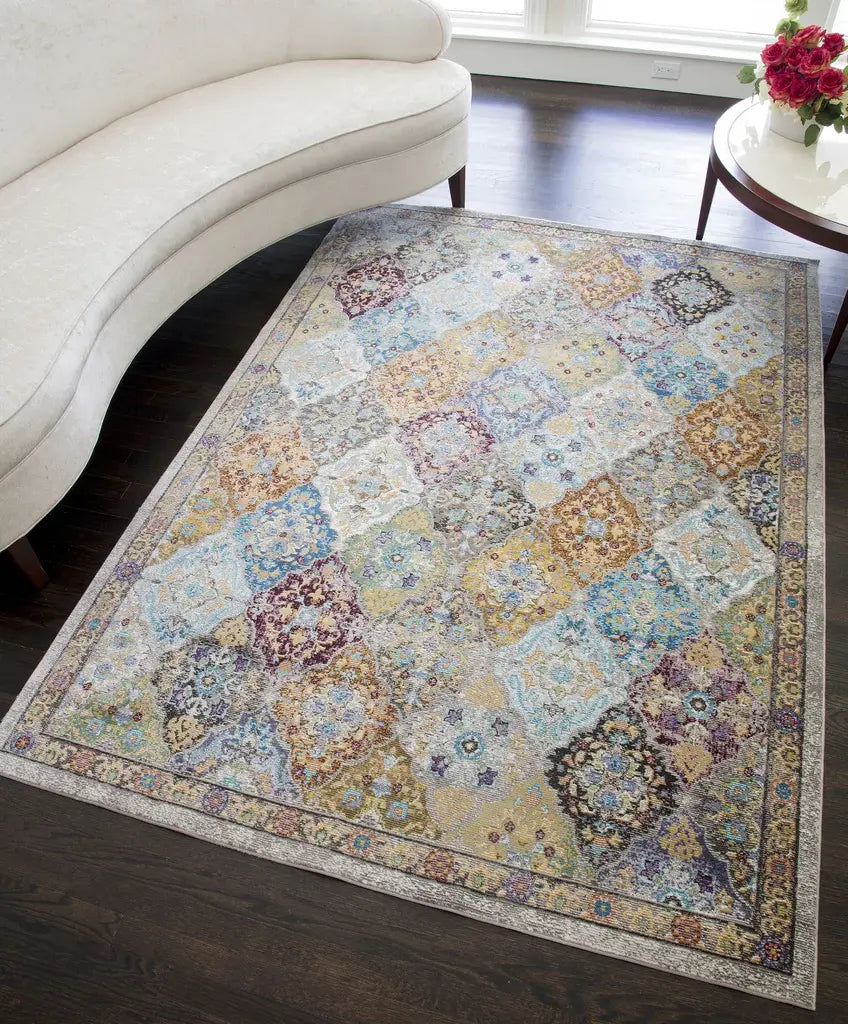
(802, 190)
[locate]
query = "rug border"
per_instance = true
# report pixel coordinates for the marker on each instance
(797, 989)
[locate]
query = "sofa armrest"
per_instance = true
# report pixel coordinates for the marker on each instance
(404, 30)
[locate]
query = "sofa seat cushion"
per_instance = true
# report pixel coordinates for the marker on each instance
(80, 231)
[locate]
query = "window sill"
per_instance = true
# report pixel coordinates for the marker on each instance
(720, 50)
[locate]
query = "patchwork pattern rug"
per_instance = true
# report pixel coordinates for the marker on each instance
(493, 580)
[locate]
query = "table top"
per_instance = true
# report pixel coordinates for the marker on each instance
(812, 180)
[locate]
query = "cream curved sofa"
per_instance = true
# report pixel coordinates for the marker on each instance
(148, 146)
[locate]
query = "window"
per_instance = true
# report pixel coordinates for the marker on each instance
(840, 22)
(514, 7)
(723, 22)
(503, 15)
(720, 17)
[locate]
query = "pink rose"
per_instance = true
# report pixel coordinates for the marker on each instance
(802, 90)
(774, 52)
(832, 82)
(809, 36)
(815, 61)
(794, 55)
(780, 85)
(834, 42)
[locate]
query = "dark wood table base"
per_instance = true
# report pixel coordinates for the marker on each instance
(838, 331)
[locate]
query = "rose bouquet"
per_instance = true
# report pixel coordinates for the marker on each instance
(796, 72)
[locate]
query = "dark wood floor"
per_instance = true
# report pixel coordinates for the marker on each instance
(105, 920)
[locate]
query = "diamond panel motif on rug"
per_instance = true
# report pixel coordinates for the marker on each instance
(491, 580)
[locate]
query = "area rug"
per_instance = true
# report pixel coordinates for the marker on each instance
(492, 580)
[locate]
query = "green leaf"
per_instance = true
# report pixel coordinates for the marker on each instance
(805, 112)
(838, 126)
(747, 74)
(788, 27)
(834, 109)
(811, 134)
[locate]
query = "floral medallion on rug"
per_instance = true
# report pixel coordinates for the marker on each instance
(492, 580)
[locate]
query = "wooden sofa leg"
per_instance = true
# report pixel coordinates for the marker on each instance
(27, 562)
(456, 184)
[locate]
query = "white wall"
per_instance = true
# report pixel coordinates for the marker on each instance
(706, 75)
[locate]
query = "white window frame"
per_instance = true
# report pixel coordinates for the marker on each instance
(474, 23)
(821, 12)
(834, 10)
(570, 21)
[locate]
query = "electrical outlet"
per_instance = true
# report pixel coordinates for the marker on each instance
(666, 69)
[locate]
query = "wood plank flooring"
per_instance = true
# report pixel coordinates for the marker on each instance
(105, 920)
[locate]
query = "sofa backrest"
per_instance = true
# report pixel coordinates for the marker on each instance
(70, 67)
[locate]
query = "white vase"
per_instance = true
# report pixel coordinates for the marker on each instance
(785, 121)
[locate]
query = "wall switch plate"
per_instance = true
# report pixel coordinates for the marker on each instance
(666, 69)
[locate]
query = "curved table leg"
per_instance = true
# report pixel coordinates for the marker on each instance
(838, 331)
(706, 200)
